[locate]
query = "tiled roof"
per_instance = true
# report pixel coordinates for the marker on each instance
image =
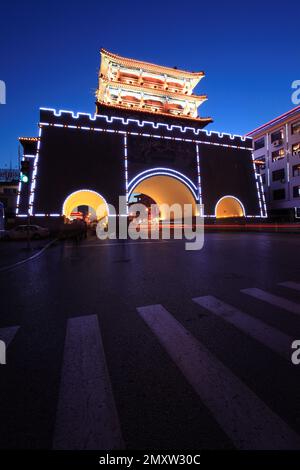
(206, 120)
(127, 62)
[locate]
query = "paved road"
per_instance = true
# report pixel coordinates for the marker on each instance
(12, 252)
(146, 345)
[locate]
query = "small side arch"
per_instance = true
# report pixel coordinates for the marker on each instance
(229, 206)
(85, 197)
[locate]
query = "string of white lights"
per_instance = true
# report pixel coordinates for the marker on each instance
(162, 172)
(154, 125)
(199, 175)
(126, 171)
(142, 134)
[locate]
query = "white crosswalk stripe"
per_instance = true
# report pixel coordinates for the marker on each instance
(257, 329)
(290, 285)
(86, 414)
(243, 416)
(272, 299)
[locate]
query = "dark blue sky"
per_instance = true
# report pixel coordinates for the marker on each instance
(49, 56)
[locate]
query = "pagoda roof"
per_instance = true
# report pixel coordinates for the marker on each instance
(154, 91)
(203, 120)
(28, 139)
(127, 62)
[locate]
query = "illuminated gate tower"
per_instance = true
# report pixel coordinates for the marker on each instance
(131, 84)
(145, 138)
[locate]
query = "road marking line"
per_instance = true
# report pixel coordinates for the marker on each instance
(7, 334)
(246, 419)
(272, 299)
(19, 263)
(140, 242)
(124, 243)
(86, 414)
(290, 285)
(265, 334)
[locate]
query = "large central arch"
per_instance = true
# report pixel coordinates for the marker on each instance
(165, 186)
(85, 197)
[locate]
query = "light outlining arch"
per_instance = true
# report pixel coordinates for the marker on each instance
(85, 197)
(229, 196)
(162, 172)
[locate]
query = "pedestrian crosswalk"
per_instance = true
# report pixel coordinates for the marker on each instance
(291, 285)
(87, 416)
(246, 420)
(272, 299)
(265, 334)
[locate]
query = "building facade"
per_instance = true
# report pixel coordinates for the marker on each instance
(9, 174)
(9, 180)
(145, 138)
(276, 147)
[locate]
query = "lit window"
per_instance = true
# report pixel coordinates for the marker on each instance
(278, 175)
(277, 155)
(277, 137)
(296, 170)
(296, 149)
(296, 191)
(260, 163)
(296, 127)
(259, 144)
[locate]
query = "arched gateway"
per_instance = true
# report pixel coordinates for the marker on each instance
(85, 197)
(229, 206)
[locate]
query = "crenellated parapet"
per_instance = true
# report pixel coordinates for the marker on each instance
(123, 125)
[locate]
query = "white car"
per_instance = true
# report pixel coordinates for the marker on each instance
(21, 232)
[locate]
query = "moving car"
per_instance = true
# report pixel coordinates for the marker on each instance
(21, 232)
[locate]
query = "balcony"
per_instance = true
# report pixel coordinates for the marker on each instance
(148, 82)
(148, 105)
(278, 155)
(260, 164)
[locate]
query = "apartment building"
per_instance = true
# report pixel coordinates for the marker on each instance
(276, 147)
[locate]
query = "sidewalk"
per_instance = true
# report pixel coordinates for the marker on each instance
(12, 252)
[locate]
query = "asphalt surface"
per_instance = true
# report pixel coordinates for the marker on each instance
(12, 252)
(172, 375)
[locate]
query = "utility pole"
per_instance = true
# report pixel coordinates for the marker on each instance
(24, 176)
(19, 156)
(28, 232)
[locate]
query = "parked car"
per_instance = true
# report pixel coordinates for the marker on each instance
(21, 232)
